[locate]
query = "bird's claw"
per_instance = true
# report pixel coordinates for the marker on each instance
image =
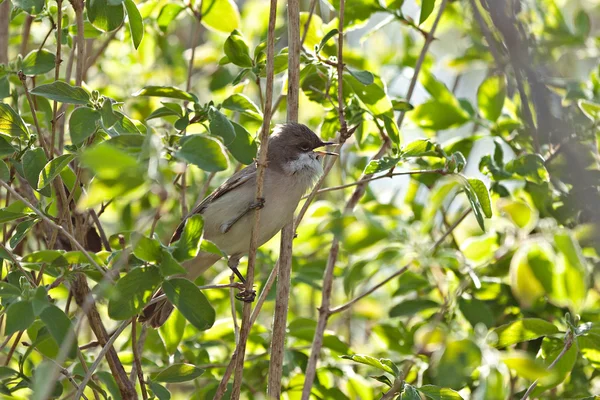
(247, 296)
(258, 204)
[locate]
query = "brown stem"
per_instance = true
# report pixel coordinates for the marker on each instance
(81, 292)
(26, 33)
(260, 176)
(57, 61)
(92, 60)
(4, 23)
(23, 79)
(136, 358)
(288, 231)
(13, 348)
(78, 7)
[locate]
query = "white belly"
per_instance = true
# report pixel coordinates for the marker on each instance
(282, 195)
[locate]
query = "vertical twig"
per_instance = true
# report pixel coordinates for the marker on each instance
(188, 86)
(57, 61)
(78, 7)
(236, 328)
(261, 165)
(136, 357)
(287, 233)
(324, 310)
(25, 35)
(4, 35)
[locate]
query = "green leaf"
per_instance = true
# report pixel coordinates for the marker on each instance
(169, 266)
(204, 152)
(5, 147)
(219, 125)
(241, 103)
(582, 24)
(237, 50)
(146, 249)
(188, 244)
(53, 169)
(161, 392)
(38, 62)
(373, 96)
(133, 291)
(190, 301)
(419, 148)
(326, 38)
(589, 108)
(62, 92)
(438, 393)
(411, 307)
(104, 16)
(167, 14)
(476, 312)
(364, 77)
(409, 393)
(243, 147)
(8, 291)
(42, 256)
(109, 118)
(170, 92)
(83, 124)
(11, 123)
(490, 97)
(220, 15)
(436, 115)
(45, 385)
(383, 164)
(171, 332)
(178, 373)
(523, 330)
(402, 105)
(136, 24)
(30, 6)
(372, 361)
(551, 349)
(19, 316)
(60, 327)
(34, 161)
(531, 167)
(4, 172)
(426, 9)
(391, 129)
(483, 195)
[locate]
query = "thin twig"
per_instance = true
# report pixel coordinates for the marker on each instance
(18, 264)
(261, 165)
(374, 178)
(92, 60)
(57, 62)
(78, 7)
(236, 328)
(568, 343)
(13, 348)
(53, 224)
(23, 79)
(287, 233)
(136, 358)
(100, 356)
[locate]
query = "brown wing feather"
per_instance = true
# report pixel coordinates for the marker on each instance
(236, 180)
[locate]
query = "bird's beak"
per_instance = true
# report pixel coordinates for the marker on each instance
(323, 153)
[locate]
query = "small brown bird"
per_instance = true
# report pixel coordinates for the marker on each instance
(293, 166)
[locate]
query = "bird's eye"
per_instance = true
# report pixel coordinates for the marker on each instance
(305, 148)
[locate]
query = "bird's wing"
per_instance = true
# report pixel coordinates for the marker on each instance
(236, 180)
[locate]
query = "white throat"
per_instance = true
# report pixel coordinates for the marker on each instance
(306, 168)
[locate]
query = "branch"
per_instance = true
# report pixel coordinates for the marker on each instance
(57, 61)
(568, 343)
(107, 347)
(4, 23)
(56, 226)
(18, 264)
(92, 60)
(374, 178)
(78, 7)
(402, 270)
(260, 176)
(136, 358)
(287, 233)
(324, 311)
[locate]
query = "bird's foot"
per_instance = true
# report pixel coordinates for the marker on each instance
(245, 295)
(258, 204)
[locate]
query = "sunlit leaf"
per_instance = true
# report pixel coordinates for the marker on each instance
(62, 92)
(166, 91)
(11, 123)
(204, 152)
(38, 62)
(136, 25)
(490, 97)
(178, 373)
(53, 169)
(523, 330)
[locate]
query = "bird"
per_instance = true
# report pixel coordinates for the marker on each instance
(292, 168)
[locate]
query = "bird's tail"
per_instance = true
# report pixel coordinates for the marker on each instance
(157, 314)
